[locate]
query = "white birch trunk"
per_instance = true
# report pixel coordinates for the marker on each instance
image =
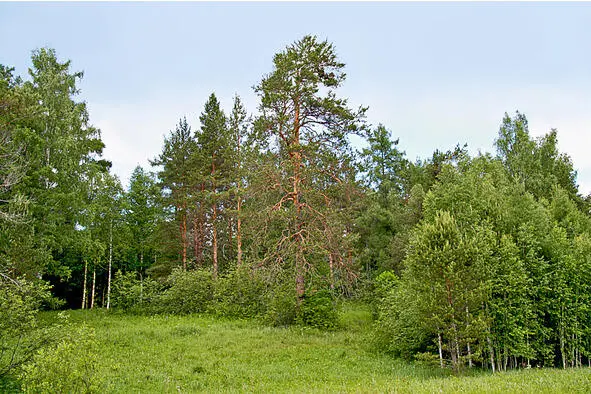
(84, 285)
(110, 267)
(93, 288)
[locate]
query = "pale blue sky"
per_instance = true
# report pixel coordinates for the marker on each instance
(436, 74)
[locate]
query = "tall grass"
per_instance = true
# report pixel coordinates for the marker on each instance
(206, 354)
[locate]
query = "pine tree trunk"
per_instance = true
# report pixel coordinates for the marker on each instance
(580, 358)
(527, 343)
(110, 268)
(299, 258)
(230, 239)
(84, 285)
(239, 232)
(331, 267)
(196, 238)
(183, 230)
(299, 240)
(573, 354)
(300, 281)
(198, 233)
(458, 354)
(239, 207)
(213, 224)
(215, 243)
(201, 227)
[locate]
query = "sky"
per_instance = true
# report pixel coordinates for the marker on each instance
(435, 74)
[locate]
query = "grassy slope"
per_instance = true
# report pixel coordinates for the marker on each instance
(197, 353)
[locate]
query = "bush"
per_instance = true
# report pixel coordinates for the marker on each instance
(240, 293)
(384, 283)
(188, 292)
(129, 292)
(427, 359)
(318, 310)
(20, 334)
(381, 290)
(399, 330)
(66, 366)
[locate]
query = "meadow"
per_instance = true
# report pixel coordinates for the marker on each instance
(199, 353)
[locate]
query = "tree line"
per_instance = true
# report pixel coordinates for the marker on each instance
(468, 260)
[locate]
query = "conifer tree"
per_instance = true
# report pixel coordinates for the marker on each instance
(213, 142)
(237, 125)
(304, 121)
(175, 177)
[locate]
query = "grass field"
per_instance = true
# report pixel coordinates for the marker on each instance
(205, 354)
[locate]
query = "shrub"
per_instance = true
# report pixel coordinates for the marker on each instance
(382, 287)
(20, 334)
(427, 359)
(384, 283)
(129, 292)
(281, 304)
(318, 310)
(240, 293)
(399, 330)
(188, 292)
(66, 366)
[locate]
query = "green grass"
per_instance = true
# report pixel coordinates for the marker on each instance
(205, 354)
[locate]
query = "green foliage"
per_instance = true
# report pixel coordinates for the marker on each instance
(427, 359)
(536, 163)
(19, 253)
(187, 292)
(143, 213)
(392, 206)
(240, 293)
(132, 293)
(491, 276)
(21, 334)
(385, 283)
(63, 152)
(68, 365)
(384, 163)
(400, 329)
(319, 311)
(306, 184)
(281, 305)
(175, 178)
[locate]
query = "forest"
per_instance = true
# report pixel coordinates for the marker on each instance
(467, 264)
